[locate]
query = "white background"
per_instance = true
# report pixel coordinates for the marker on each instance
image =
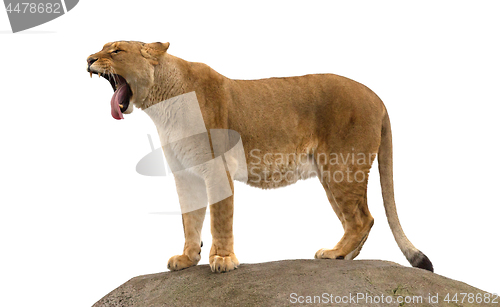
(77, 221)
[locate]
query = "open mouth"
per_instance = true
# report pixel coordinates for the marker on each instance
(122, 93)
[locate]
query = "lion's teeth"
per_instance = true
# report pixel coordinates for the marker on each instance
(90, 74)
(99, 74)
(121, 106)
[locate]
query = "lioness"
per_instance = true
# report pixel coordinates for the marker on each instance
(337, 124)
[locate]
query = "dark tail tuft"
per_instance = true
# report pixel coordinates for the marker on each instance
(421, 261)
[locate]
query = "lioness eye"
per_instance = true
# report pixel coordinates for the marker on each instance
(116, 51)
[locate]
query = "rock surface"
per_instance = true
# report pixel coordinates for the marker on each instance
(294, 282)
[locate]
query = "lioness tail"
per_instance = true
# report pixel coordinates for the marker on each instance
(414, 256)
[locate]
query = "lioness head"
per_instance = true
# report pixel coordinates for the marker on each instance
(129, 68)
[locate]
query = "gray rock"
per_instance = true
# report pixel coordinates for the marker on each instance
(290, 282)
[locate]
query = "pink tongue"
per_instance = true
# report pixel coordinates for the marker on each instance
(116, 100)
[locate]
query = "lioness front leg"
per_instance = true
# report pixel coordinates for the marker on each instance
(192, 222)
(192, 194)
(222, 257)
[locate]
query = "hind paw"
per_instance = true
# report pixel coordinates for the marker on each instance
(325, 253)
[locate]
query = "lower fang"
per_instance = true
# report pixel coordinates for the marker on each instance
(121, 106)
(90, 74)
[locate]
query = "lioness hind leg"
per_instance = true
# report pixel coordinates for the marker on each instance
(348, 199)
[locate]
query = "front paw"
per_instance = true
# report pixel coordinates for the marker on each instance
(180, 262)
(220, 264)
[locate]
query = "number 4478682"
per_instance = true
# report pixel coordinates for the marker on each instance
(34, 8)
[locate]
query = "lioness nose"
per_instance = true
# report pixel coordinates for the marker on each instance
(91, 60)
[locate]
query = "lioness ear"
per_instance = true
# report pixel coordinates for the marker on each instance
(154, 51)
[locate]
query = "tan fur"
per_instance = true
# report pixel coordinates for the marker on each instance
(309, 119)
